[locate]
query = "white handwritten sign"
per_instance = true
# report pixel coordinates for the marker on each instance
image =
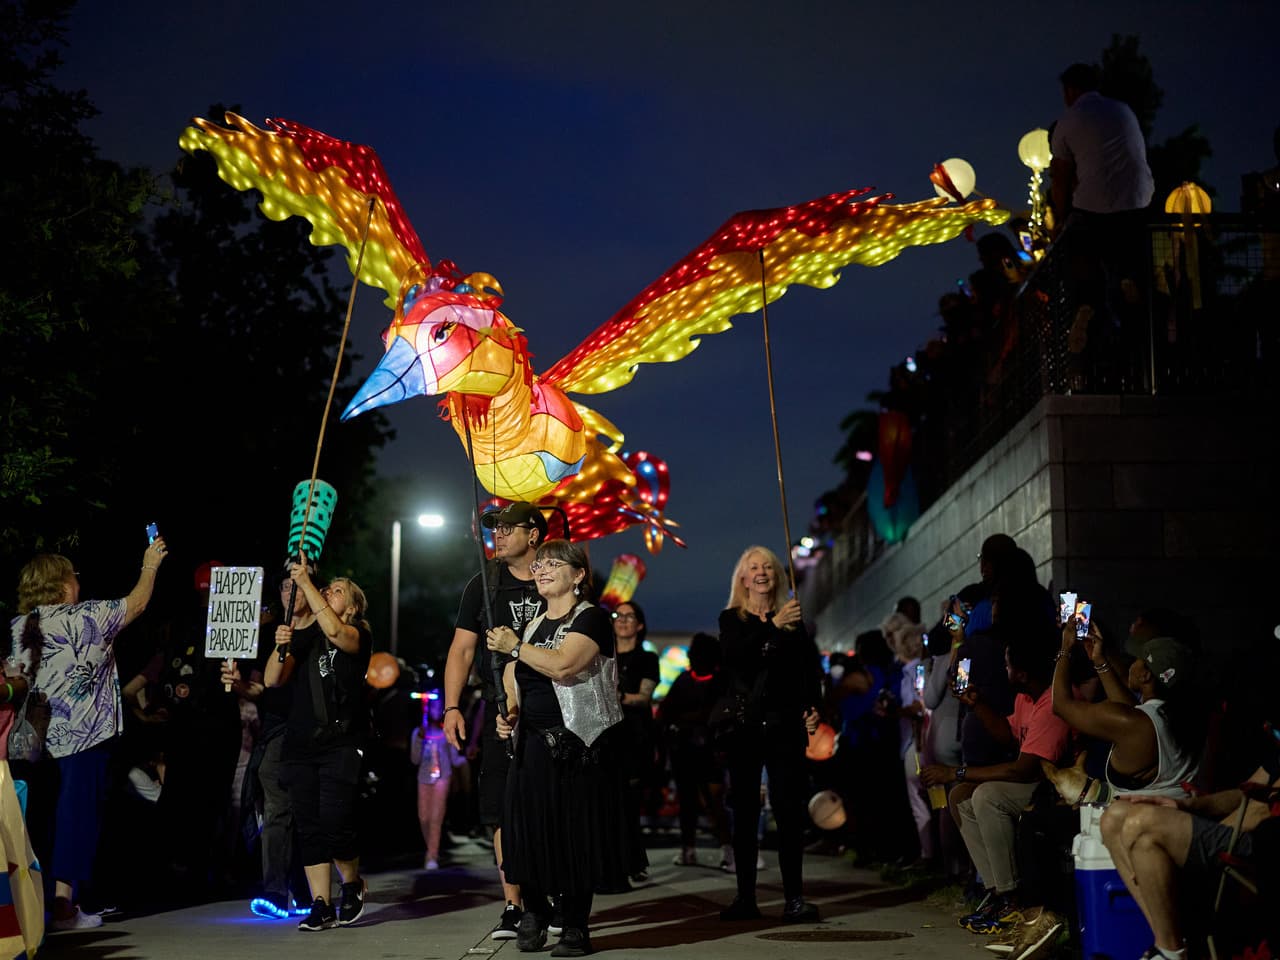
(235, 602)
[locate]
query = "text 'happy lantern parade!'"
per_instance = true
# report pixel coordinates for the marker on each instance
(449, 337)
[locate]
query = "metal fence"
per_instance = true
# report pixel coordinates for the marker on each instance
(1158, 306)
(1170, 307)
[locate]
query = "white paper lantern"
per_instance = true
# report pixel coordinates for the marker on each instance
(962, 178)
(826, 810)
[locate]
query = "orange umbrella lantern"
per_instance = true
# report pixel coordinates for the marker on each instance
(383, 672)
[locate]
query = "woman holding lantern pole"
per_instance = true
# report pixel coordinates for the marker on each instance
(325, 658)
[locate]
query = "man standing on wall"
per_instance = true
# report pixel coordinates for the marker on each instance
(513, 602)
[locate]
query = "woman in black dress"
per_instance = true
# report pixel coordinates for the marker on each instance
(564, 829)
(772, 666)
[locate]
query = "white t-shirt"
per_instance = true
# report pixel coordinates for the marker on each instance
(1102, 138)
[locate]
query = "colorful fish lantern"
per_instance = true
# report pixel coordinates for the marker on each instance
(625, 575)
(448, 336)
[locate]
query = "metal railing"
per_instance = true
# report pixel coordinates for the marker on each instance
(1161, 306)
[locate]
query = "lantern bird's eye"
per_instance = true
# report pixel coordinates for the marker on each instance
(441, 332)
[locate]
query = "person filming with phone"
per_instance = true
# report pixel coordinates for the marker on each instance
(63, 649)
(1157, 742)
(988, 817)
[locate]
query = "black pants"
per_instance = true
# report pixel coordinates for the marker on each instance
(322, 791)
(782, 755)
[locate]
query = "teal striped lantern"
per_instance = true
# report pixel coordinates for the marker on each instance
(323, 500)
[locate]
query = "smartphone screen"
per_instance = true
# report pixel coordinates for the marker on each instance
(1066, 606)
(919, 679)
(152, 532)
(962, 675)
(1084, 610)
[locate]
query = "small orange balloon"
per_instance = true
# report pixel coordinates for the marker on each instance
(384, 670)
(822, 743)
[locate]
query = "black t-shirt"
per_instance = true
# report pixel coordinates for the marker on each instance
(634, 667)
(341, 676)
(687, 705)
(538, 703)
(515, 604)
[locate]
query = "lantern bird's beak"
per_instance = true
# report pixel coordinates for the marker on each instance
(398, 376)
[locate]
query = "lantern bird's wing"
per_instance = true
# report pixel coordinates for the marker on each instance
(301, 172)
(807, 243)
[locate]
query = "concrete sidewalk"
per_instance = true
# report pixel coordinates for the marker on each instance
(446, 915)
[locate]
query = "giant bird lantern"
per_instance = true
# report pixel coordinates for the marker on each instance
(448, 336)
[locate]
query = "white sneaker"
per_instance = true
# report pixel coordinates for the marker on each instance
(760, 865)
(78, 921)
(431, 864)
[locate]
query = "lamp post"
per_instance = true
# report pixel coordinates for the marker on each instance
(430, 521)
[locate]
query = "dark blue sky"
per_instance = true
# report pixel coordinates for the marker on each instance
(577, 151)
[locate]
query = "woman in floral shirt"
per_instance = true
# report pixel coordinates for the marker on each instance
(65, 650)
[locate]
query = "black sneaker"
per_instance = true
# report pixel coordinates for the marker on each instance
(531, 935)
(799, 910)
(321, 917)
(740, 910)
(509, 924)
(351, 906)
(556, 926)
(573, 943)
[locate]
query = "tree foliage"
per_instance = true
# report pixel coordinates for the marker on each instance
(163, 363)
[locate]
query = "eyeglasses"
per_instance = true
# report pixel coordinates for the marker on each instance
(625, 616)
(506, 528)
(551, 566)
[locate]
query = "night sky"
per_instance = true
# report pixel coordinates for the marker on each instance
(577, 151)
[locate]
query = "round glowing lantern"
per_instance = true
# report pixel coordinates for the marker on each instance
(1188, 198)
(953, 179)
(822, 743)
(826, 810)
(1033, 149)
(384, 670)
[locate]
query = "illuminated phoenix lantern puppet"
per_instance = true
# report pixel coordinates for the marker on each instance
(448, 336)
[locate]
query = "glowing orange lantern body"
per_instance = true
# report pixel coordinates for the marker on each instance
(822, 743)
(383, 672)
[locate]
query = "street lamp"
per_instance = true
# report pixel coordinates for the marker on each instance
(431, 521)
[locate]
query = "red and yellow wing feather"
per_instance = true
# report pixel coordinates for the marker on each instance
(807, 243)
(301, 172)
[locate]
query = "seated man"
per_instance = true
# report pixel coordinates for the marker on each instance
(989, 817)
(1160, 843)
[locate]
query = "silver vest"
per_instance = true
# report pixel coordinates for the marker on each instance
(588, 701)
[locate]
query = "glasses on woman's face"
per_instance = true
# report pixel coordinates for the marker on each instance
(551, 566)
(625, 616)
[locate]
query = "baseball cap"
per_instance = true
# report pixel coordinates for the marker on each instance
(1170, 662)
(517, 514)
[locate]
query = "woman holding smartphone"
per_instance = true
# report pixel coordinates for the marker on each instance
(772, 665)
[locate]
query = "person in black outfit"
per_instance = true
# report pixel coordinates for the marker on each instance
(566, 835)
(513, 601)
(772, 665)
(638, 677)
(325, 659)
(683, 715)
(265, 794)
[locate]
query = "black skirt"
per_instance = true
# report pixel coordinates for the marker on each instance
(564, 825)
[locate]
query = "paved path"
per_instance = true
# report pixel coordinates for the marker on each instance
(445, 915)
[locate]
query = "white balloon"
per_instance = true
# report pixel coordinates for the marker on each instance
(962, 176)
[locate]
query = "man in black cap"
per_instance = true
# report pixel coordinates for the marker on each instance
(513, 602)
